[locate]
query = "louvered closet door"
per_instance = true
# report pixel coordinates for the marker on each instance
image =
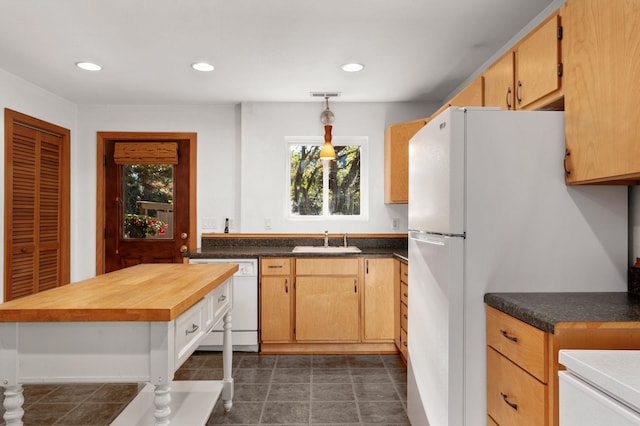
(35, 224)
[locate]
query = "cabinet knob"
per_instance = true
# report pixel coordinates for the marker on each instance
(184, 236)
(183, 248)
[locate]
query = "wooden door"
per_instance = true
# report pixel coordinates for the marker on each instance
(275, 309)
(498, 83)
(537, 60)
(154, 224)
(378, 299)
(327, 309)
(37, 240)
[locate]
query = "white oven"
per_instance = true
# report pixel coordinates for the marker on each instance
(244, 315)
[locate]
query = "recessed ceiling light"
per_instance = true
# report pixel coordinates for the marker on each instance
(88, 66)
(352, 67)
(202, 66)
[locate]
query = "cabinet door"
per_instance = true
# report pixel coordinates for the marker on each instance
(378, 299)
(602, 68)
(498, 83)
(275, 309)
(396, 160)
(537, 60)
(471, 95)
(327, 308)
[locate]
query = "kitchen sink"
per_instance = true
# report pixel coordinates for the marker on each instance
(321, 249)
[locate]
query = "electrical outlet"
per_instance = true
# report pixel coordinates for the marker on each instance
(267, 223)
(231, 224)
(395, 225)
(209, 223)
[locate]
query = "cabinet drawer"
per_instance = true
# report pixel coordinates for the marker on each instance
(513, 396)
(217, 303)
(325, 266)
(404, 273)
(404, 317)
(404, 293)
(190, 326)
(521, 343)
(275, 266)
(404, 343)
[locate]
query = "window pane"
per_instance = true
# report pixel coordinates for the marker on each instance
(344, 181)
(147, 200)
(306, 180)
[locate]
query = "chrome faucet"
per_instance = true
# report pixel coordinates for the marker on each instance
(326, 238)
(344, 239)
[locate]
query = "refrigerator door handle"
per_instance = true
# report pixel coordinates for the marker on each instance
(428, 238)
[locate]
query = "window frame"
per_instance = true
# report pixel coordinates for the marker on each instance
(363, 143)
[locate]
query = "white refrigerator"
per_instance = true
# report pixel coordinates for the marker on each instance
(489, 212)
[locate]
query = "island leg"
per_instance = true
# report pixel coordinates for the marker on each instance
(13, 400)
(162, 401)
(227, 361)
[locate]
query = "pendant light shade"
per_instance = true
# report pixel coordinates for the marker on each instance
(327, 152)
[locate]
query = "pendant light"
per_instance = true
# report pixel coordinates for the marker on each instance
(327, 152)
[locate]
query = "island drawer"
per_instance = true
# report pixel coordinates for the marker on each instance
(190, 326)
(404, 273)
(217, 303)
(404, 293)
(404, 316)
(521, 343)
(275, 266)
(514, 397)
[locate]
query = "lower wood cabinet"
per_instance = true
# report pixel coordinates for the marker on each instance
(522, 364)
(378, 312)
(276, 301)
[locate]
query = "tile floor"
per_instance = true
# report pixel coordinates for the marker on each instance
(269, 390)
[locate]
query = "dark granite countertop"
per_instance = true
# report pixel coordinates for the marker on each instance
(545, 310)
(277, 251)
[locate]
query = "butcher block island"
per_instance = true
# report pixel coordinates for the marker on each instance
(137, 324)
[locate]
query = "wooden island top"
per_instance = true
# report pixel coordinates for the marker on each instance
(147, 292)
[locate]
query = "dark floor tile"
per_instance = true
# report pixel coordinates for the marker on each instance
(293, 361)
(186, 374)
(375, 392)
(250, 392)
(258, 361)
(44, 414)
(393, 361)
(115, 392)
(365, 361)
(195, 361)
(209, 374)
(334, 412)
(330, 375)
(292, 375)
(242, 413)
(402, 391)
(72, 392)
(332, 392)
(33, 393)
(92, 413)
(370, 375)
(383, 413)
(285, 413)
(398, 375)
(252, 375)
(289, 392)
(329, 361)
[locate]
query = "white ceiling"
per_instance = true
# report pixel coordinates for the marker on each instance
(262, 50)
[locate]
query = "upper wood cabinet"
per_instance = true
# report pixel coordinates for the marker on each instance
(602, 66)
(529, 76)
(471, 95)
(498, 82)
(539, 65)
(396, 160)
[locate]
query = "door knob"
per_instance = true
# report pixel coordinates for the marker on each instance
(183, 248)
(184, 236)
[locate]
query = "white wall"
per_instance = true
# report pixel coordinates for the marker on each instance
(264, 156)
(22, 96)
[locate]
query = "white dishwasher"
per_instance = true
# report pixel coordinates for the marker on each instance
(600, 387)
(244, 315)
